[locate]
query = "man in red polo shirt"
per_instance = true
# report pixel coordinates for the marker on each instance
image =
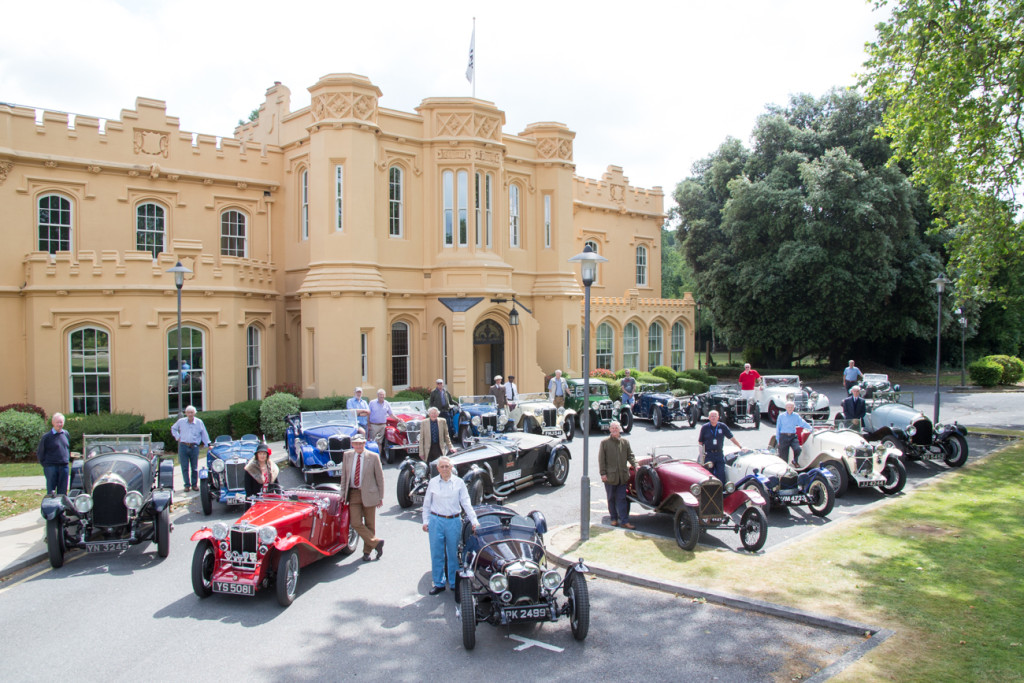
(748, 380)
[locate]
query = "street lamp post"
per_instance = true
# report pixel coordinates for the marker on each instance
(940, 286)
(698, 336)
(179, 272)
(963, 347)
(588, 260)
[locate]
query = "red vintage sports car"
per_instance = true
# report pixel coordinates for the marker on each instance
(402, 434)
(282, 532)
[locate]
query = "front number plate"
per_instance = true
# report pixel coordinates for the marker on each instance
(872, 482)
(527, 613)
(234, 588)
(552, 431)
(795, 498)
(513, 474)
(106, 547)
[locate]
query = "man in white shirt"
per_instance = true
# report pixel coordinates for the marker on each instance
(190, 433)
(511, 392)
(446, 496)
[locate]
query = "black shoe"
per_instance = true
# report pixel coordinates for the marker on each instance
(434, 590)
(366, 557)
(378, 551)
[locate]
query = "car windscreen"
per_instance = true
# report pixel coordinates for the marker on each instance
(782, 381)
(528, 398)
(408, 408)
(320, 418)
(230, 449)
(485, 401)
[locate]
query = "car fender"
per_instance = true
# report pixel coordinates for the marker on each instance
(166, 476)
(407, 464)
(676, 500)
(949, 430)
(161, 500)
(309, 456)
(204, 533)
(555, 451)
(53, 508)
(477, 472)
(805, 479)
(578, 568)
(307, 551)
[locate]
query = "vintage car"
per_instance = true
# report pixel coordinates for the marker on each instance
(223, 477)
(603, 410)
(317, 439)
(504, 577)
(119, 495)
(492, 467)
(535, 413)
(402, 432)
(892, 419)
(873, 383)
(282, 532)
(654, 403)
(851, 459)
(763, 471)
(728, 400)
(479, 416)
(776, 390)
(671, 481)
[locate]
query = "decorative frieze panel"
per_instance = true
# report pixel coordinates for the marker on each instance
(454, 154)
(554, 148)
(344, 105)
(5, 168)
(466, 124)
(152, 142)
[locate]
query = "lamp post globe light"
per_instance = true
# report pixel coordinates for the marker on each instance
(179, 271)
(588, 261)
(940, 286)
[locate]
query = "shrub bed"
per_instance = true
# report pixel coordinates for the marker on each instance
(986, 373)
(1012, 368)
(102, 423)
(24, 408)
(20, 433)
(326, 403)
(690, 386)
(245, 418)
(272, 413)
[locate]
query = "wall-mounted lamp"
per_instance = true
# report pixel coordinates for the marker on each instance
(513, 316)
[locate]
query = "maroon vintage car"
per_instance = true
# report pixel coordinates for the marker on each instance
(402, 433)
(282, 532)
(696, 499)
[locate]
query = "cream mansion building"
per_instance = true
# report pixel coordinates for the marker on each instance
(337, 245)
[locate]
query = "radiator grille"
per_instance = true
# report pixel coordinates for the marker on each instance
(525, 589)
(108, 505)
(243, 539)
(711, 499)
(234, 475)
(550, 417)
(336, 446)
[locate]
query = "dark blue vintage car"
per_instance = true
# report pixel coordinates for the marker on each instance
(479, 416)
(504, 578)
(223, 477)
(317, 440)
(660, 407)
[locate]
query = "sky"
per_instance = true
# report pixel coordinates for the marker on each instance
(651, 87)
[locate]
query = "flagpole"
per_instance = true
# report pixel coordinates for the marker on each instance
(471, 69)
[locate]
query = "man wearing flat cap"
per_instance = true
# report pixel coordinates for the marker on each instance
(498, 392)
(362, 486)
(442, 399)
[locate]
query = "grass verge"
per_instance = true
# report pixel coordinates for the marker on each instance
(16, 502)
(29, 468)
(943, 567)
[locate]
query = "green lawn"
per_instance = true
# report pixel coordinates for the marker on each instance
(29, 468)
(943, 567)
(16, 502)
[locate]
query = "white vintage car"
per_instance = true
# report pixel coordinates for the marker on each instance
(776, 390)
(762, 470)
(536, 413)
(851, 459)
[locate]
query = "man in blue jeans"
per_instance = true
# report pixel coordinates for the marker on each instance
(190, 433)
(54, 454)
(446, 495)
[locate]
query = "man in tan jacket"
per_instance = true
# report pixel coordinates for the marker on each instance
(362, 486)
(615, 460)
(434, 439)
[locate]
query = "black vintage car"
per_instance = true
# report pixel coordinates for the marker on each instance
(119, 495)
(728, 400)
(504, 579)
(892, 419)
(492, 467)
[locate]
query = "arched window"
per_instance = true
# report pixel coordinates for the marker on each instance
(396, 192)
(448, 207)
(444, 353)
(631, 346)
(54, 223)
(597, 266)
(89, 361)
(513, 215)
(655, 346)
(232, 235)
(547, 221)
(189, 373)
(304, 202)
(641, 266)
(678, 346)
(149, 228)
(604, 346)
(399, 356)
(252, 363)
(463, 185)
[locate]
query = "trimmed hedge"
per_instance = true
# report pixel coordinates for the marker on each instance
(1012, 368)
(217, 422)
(731, 373)
(410, 395)
(20, 433)
(422, 393)
(666, 373)
(614, 388)
(102, 423)
(986, 373)
(25, 408)
(245, 418)
(691, 386)
(326, 403)
(272, 413)
(700, 376)
(160, 431)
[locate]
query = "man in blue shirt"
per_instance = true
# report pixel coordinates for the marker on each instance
(785, 432)
(712, 438)
(190, 433)
(362, 408)
(378, 422)
(851, 374)
(54, 454)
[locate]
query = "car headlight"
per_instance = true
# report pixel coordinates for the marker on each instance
(217, 465)
(498, 583)
(695, 489)
(220, 531)
(83, 503)
(133, 500)
(551, 579)
(402, 427)
(420, 468)
(476, 421)
(730, 487)
(911, 430)
(560, 411)
(321, 444)
(850, 450)
(267, 534)
(881, 448)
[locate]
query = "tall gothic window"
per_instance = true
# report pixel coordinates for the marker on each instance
(89, 360)
(604, 346)
(396, 193)
(513, 216)
(252, 363)
(641, 266)
(188, 371)
(678, 346)
(54, 223)
(149, 228)
(655, 346)
(631, 346)
(232, 234)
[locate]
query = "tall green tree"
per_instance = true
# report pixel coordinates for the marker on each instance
(951, 75)
(809, 242)
(676, 275)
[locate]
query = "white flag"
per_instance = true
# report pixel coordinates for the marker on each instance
(470, 70)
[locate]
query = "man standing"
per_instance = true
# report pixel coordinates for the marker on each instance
(443, 400)
(557, 388)
(785, 432)
(378, 419)
(628, 388)
(511, 391)
(854, 407)
(711, 441)
(434, 439)
(851, 374)
(749, 379)
(362, 486)
(498, 392)
(190, 433)
(615, 461)
(445, 496)
(362, 408)
(54, 454)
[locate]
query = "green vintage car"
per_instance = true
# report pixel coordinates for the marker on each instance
(603, 410)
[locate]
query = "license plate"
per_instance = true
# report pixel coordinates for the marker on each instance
(527, 613)
(106, 546)
(872, 482)
(552, 430)
(715, 520)
(795, 498)
(414, 449)
(234, 588)
(513, 474)
(236, 499)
